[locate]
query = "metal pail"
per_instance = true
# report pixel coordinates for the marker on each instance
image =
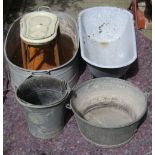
(108, 110)
(43, 100)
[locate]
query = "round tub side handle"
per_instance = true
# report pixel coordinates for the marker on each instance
(68, 106)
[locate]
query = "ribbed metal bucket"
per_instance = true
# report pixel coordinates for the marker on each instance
(69, 71)
(43, 100)
(108, 110)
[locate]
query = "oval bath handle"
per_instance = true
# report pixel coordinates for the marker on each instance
(44, 8)
(40, 73)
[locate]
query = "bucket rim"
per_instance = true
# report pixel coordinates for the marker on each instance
(29, 105)
(120, 126)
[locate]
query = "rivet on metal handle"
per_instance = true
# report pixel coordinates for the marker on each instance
(16, 88)
(44, 8)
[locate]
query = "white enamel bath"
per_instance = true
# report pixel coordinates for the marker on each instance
(107, 40)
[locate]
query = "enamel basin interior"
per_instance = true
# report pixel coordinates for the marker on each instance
(107, 37)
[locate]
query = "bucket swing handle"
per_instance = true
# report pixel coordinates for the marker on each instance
(44, 8)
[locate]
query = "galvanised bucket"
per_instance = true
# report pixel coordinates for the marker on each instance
(108, 110)
(43, 100)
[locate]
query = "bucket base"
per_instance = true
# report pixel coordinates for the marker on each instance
(103, 145)
(48, 135)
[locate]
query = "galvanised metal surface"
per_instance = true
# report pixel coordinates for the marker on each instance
(108, 110)
(106, 138)
(18, 140)
(43, 101)
(68, 71)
